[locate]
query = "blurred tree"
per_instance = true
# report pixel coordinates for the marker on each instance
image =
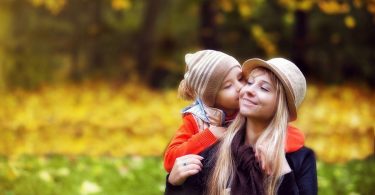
(54, 40)
(299, 42)
(208, 34)
(5, 26)
(146, 39)
(308, 47)
(323, 52)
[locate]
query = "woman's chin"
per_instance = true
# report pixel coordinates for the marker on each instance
(246, 112)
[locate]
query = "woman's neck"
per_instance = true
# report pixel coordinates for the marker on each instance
(254, 129)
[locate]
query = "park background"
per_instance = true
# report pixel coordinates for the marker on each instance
(88, 87)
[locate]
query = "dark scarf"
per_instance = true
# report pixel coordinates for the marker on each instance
(248, 176)
(229, 119)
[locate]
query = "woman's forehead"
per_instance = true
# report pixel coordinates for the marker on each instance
(259, 73)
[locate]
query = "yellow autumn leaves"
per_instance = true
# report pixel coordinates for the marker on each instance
(264, 40)
(121, 4)
(55, 6)
(90, 119)
(339, 121)
(331, 7)
(100, 119)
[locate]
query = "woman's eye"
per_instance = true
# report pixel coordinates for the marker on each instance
(265, 89)
(249, 82)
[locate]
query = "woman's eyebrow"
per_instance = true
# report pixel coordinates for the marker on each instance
(261, 81)
(267, 83)
(264, 81)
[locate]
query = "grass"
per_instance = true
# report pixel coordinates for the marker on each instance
(82, 175)
(134, 175)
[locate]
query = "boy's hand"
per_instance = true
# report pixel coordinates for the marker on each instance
(259, 154)
(217, 131)
(184, 167)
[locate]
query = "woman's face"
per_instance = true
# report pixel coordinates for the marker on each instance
(258, 96)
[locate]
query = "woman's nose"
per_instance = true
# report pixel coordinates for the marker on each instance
(246, 90)
(250, 90)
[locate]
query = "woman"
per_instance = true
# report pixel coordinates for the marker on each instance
(250, 159)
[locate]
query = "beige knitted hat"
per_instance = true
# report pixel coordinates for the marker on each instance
(290, 76)
(205, 71)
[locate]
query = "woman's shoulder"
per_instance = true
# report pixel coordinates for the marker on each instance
(302, 154)
(303, 164)
(302, 159)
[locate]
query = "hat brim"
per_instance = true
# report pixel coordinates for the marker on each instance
(253, 63)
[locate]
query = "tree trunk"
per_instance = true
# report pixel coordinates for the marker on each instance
(95, 59)
(208, 35)
(300, 41)
(146, 39)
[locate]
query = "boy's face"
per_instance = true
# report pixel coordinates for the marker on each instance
(228, 95)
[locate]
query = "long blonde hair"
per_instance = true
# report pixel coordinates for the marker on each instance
(271, 141)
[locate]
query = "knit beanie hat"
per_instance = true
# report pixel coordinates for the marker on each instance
(205, 72)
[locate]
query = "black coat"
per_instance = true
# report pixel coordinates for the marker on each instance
(302, 179)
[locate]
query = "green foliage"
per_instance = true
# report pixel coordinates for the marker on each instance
(81, 175)
(142, 175)
(354, 177)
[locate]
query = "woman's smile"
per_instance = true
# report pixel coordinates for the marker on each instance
(248, 102)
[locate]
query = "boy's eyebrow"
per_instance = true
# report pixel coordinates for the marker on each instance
(229, 79)
(224, 80)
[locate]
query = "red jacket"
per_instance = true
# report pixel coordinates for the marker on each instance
(189, 140)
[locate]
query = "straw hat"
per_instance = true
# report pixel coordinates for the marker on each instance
(290, 76)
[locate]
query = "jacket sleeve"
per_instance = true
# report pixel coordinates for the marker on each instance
(171, 189)
(192, 186)
(306, 177)
(288, 185)
(195, 184)
(303, 178)
(187, 140)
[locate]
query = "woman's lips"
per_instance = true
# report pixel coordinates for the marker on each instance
(249, 101)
